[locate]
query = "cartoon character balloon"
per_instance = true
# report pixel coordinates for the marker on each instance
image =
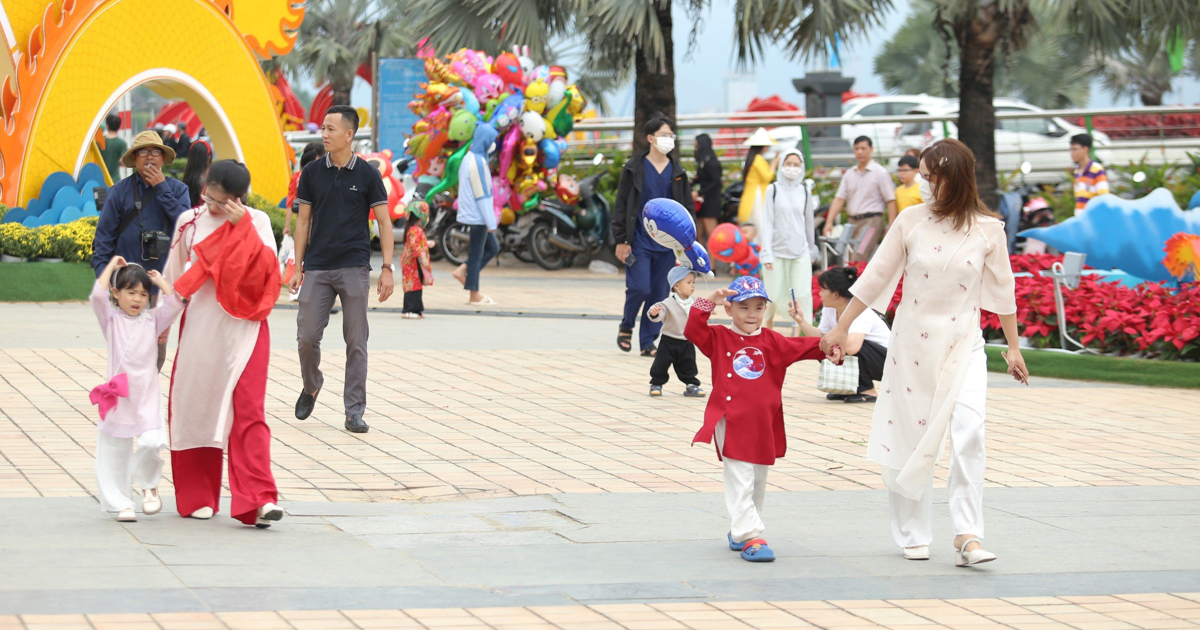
(391, 183)
(462, 125)
(567, 189)
(508, 112)
(728, 244)
(522, 54)
(535, 96)
(487, 87)
(671, 225)
(508, 68)
(533, 127)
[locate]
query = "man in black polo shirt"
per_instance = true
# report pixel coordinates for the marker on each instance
(337, 195)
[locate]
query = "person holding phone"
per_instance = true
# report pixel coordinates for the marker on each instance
(953, 257)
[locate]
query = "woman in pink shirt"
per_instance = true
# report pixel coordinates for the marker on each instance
(130, 401)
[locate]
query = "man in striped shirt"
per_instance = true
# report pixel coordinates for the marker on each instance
(1090, 179)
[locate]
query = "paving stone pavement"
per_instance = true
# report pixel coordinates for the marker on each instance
(517, 475)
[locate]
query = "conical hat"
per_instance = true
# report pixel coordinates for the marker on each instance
(760, 138)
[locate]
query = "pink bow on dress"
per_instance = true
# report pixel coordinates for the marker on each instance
(106, 394)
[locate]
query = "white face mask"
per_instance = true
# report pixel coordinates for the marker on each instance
(924, 190)
(665, 145)
(792, 172)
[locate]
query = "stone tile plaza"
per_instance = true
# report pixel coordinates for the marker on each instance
(517, 476)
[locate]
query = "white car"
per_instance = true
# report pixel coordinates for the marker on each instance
(1043, 142)
(884, 136)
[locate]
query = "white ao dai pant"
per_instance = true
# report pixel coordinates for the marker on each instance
(123, 462)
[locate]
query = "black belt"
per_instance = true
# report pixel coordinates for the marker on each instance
(869, 215)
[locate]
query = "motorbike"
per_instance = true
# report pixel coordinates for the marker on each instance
(561, 232)
(455, 239)
(1034, 210)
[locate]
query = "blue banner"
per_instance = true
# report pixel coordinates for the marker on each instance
(399, 80)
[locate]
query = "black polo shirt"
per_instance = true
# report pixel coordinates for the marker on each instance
(342, 200)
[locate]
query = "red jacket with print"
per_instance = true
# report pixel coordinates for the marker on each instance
(747, 384)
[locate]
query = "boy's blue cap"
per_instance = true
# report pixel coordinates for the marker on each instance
(748, 287)
(677, 273)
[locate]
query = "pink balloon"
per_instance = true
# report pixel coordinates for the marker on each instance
(501, 193)
(508, 148)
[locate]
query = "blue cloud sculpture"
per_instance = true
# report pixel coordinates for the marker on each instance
(1123, 234)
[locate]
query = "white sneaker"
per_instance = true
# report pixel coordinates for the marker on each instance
(267, 515)
(203, 513)
(916, 553)
(151, 503)
(127, 515)
(969, 558)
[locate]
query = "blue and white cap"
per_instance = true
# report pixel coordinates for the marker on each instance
(748, 287)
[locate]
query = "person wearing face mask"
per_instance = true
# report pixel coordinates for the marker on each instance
(655, 174)
(787, 236)
(953, 257)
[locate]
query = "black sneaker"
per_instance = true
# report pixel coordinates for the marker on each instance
(656, 390)
(305, 404)
(355, 424)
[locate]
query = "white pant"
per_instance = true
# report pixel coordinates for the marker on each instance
(123, 462)
(912, 521)
(745, 489)
(787, 275)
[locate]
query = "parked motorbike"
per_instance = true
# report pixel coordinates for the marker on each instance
(441, 215)
(455, 240)
(561, 231)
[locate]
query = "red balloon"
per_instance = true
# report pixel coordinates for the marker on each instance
(727, 244)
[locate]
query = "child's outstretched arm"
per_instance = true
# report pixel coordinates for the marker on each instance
(796, 349)
(658, 312)
(697, 330)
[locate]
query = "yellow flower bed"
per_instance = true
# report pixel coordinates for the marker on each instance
(70, 241)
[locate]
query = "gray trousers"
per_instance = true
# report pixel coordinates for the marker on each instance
(353, 285)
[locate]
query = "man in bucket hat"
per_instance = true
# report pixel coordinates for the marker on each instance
(138, 218)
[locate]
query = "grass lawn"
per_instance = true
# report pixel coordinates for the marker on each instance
(1090, 367)
(45, 282)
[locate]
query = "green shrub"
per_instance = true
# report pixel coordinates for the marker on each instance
(272, 210)
(18, 240)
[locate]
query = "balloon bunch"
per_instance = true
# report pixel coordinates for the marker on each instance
(671, 225)
(729, 245)
(531, 107)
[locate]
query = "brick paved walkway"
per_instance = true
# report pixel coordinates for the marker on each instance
(1121, 612)
(511, 422)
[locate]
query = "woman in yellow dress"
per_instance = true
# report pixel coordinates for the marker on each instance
(756, 174)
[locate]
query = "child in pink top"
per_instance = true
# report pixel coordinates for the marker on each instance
(131, 425)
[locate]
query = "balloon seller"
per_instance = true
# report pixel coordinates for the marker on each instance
(745, 411)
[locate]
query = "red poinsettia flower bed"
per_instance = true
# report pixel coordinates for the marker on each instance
(1145, 125)
(1150, 320)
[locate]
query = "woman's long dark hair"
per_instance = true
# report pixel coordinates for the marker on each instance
(704, 150)
(750, 155)
(839, 280)
(199, 158)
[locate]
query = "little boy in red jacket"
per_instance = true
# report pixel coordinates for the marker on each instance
(745, 408)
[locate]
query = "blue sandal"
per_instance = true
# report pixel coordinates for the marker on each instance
(734, 546)
(756, 550)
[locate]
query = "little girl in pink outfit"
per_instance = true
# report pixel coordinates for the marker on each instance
(130, 401)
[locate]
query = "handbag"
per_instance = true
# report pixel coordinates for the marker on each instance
(838, 379)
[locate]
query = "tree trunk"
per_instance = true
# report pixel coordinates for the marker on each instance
(654, 85)
(1151, 96)
(978, 36)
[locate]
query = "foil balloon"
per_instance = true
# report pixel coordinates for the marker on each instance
(522, 54)
(533, 127)
(671, 225)
(564, 120)
(508, 68)
(508, 150)
(507, 112)
(450, 179)
(470, 101)
(487, 87)
(549, 151)
(578, 102)
(535, 96)
(540, 73)
(728, 244)
(501, 192)
(552, 113)
(567, 189)
(462, 125)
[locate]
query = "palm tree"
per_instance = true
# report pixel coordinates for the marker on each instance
(1052, 71)
(1143, 69)
(339, 36)
(984, 30)
(620, 35)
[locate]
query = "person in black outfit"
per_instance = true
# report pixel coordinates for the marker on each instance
(199, 158)
(655, 174)
(708, 187)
